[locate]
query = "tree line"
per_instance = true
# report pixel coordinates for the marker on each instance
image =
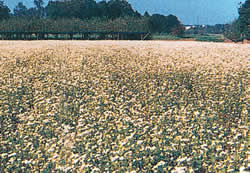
(76, 15)
(239, 29)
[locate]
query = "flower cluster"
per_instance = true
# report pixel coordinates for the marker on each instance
(141, 107)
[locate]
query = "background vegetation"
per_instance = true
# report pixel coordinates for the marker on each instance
(114, 15)
(240, 28)
(122, 24)
(86, 15)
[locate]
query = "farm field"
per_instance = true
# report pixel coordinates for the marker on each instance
(123, 106)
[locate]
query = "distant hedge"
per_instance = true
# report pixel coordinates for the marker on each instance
(125, 24)
(210, 39)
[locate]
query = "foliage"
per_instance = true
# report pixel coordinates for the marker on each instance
(232, 31)
(125, 24)
(120, 8)
(161, 36)
(244, 19)
(166, 24)
(83, 15)
(20, 10)
(146, 14)
(89, 8)
(216, 29)
(240, 28)
(39, 8)
(4, 11)
(210, 38)
(35, 12)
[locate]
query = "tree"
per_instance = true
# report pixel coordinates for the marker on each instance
(174, 25)
(166, 24)
(103, 10)
(38, 4)
(39, 7)
(4, 11)
(82, 9)
(55, 10)
(32, 12)
(120, 8)
(244, 19)
(88, 9)
(137, 14)
(159, 23)
(146, 14)
(20, 10)
(240, 28)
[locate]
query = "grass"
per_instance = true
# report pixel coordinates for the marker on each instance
(196, 37)
(210, 38)
(113, 106)
(206, 37)
(165, 37)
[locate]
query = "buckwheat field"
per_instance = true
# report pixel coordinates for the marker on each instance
(123, 106)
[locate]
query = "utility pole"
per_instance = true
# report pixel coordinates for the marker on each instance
(198, 24)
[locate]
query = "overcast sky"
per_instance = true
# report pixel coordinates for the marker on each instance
(188, 11)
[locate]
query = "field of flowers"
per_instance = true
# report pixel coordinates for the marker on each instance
(123, 106)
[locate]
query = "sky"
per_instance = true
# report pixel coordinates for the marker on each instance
(188, 11)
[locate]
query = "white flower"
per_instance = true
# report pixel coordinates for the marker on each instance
(242, 147)
(131, 136)
(197, 113)
(179, 170)
(26, 162)
(139, 142)
(51, 150)
(75, 161)
(238, 135)
(204, 146)
(95, 170)
(181, 159)
(4, 154)
(161, 163)
(114, 158)
(153, 148)
(85, 133)
(243, 170)
(67, 169)
(169, 130)
(219, 148)
(121, 158)
(123, 143)
(13, 154)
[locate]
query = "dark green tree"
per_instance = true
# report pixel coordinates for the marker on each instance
(39, 7)
(38, 4)
(159, 23)
(103, 10)
(32, 12)
(146, 14)
(20, 10)
(88, 9)
(83, 9)
(244, 19)
(120, 8)
(173, 25)
(56, 10)
(166, 24)
(4, 11)
(137, 14)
